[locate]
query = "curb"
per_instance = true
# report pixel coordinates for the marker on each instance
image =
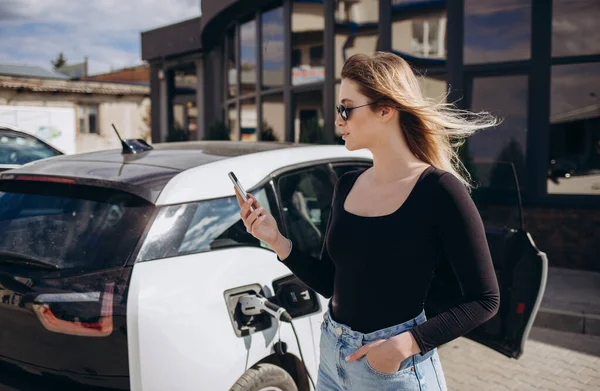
(570, 321)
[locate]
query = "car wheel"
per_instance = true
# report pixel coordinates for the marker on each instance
(265, 377)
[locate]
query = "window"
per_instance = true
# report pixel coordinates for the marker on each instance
(308, 24)
(199, 227)
(496, 31)
(272, 48)
(231, 63)
(234, 124)
(306, 203)
(574, 150)
(248, 121)
(248, 57)
(88, 119)
(16, 150)
(273, 118)
(342, 168)
(71, 227)
(316, 56)
(423, 36)
(308, 118)
(575, 27)
(356, 30)
(433, 86)
(506, 98)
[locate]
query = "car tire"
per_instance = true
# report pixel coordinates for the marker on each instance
(265, 377)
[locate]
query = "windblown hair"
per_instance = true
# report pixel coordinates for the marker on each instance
(434, 129)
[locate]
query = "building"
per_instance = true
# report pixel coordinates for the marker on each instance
(73, 115)
(273, 68)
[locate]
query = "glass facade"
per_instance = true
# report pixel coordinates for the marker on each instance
(419, 33)
(575, 27)
(506, 98)
(308, 25)
(248, 57)
(356, 30)
(574, 149)
(248, 120)
(308, 118)
(272, 48)
(273, 119)
(233, 123)
(496, 31)
(299, 81)
(231, 66)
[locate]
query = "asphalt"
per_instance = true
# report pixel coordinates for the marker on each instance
(571, 302)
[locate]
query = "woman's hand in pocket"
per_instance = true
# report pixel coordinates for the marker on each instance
(382, 355)
(260, 223)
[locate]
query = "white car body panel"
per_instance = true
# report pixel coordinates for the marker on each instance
(180, 336)
(211, 181)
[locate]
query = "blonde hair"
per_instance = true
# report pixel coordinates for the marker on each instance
(433, 129)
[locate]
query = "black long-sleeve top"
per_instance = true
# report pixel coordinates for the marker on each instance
(377, 270)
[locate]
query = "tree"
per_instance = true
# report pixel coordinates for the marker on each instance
(59, 62)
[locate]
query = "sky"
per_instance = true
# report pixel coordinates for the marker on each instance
(34, 32)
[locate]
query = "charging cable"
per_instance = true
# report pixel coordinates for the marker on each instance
(256, 304)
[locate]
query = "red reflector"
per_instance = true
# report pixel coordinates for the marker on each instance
(520, 308)
(38, 178)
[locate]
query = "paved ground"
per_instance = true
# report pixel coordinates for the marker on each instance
(571, 302)
(552, 361)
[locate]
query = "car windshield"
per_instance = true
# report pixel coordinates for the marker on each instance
(18, 150)
(70, 226)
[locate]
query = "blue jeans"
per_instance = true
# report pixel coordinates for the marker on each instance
(418, 372)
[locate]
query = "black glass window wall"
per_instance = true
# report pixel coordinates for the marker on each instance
(496, 63)
(496, 31)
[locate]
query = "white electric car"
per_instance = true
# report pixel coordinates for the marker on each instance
(124, 269)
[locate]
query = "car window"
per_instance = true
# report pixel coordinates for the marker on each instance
(342, 168)
(15, 149)
(496, 194)
(305, 198)
(198, 227)
(70, 226)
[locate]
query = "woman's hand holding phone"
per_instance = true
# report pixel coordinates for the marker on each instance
(262, 225)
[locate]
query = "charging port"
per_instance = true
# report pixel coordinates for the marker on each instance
(245, 324)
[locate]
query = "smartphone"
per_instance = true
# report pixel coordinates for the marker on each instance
(239, 187)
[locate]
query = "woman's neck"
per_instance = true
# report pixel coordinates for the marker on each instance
(393, 161)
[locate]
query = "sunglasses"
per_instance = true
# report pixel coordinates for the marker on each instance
(344, 111)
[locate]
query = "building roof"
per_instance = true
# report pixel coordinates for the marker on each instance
(137, 74)
(29, 71)
(72, 86)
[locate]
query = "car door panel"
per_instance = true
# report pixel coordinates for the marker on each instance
(521, 268)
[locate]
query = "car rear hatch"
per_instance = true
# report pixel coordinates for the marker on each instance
(64, 248)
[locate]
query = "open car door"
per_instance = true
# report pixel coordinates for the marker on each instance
(520, 266)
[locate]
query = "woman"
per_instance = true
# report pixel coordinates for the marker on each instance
(390, 227)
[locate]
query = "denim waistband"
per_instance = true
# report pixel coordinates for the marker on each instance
(356, 338)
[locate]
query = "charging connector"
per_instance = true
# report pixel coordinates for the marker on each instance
(255, 305)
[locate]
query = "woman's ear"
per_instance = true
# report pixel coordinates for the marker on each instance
(386, 113)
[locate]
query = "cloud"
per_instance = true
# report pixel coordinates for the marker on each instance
(106, 31)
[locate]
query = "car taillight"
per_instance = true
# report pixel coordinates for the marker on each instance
(44, 178)
(102, 328)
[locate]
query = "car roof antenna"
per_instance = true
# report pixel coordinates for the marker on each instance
(132, 146)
